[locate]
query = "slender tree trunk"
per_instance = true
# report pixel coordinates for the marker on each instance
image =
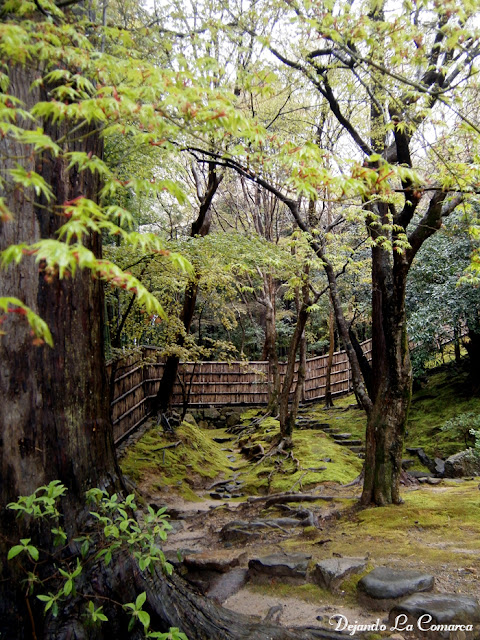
(270, 345)
(331, 349)
(456, 341)
(200, 227)
(289, 411)
(164, 395)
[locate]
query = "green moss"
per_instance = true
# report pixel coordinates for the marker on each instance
(307, 592)
(349, 585)
(418, 528)
(442, 398)
(249, 414)
(180, 467)
(278, 473)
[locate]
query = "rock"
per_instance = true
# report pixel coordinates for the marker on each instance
(330, 573)
(207, 561)
(211, 414)
(383, 587)
(439, 467)
(422, 456)
(464, 463)
(190, 419)
(342, 436)
(420, 474)
(227, 584)
(239, 531)
(253, 452)
(233, 418)
(426, 610)
(350, 443)
(406, 464)
(292, 566)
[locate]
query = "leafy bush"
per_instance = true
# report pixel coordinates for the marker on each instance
(465, 426)
(116, 530)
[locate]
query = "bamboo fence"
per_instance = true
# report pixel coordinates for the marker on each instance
(135, 380)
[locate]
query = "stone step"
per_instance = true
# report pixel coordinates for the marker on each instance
(342, 436)
(384, 587)
(350, 443)
(357, 449)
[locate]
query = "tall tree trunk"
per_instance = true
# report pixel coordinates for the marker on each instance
(391, 383)
(289, 410)
(331, 349)
(54, 414)
(270, 345)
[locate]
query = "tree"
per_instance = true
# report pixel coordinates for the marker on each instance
(403, 70)
(54, 414)
(441, 303)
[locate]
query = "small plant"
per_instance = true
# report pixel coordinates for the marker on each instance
(116, 529)
(465, 426)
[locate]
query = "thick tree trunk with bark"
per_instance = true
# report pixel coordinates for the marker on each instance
(55, 413)
(391, 384)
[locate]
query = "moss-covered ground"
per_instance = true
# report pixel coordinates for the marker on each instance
(437, 527)
(184, 467)
(316, 459)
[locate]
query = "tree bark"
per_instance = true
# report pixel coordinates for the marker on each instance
(54, 414)
(289, 410)
(270, 345)
(331, 349)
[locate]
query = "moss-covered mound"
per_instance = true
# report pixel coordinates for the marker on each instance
(315, 459)
(185, 466)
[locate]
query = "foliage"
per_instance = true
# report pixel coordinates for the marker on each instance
(464, 425)
(38, 326)
(439, 300)
(116, 529)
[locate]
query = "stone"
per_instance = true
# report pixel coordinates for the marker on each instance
(330, 573)
(233, 418)
(190, 419)
(211, 414)
(461, 464)
(439, 467)
(342, 436)
(420, 474)
(207, 561)
(407, 463)
(383, 587)
(239, 531)
(291, 566)
(350, 443)
(426, 610)
(422, 456)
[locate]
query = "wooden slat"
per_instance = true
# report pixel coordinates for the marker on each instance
(241, 383)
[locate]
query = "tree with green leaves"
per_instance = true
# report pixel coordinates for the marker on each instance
(394, 79)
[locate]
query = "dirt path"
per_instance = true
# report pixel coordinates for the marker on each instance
(197, 528)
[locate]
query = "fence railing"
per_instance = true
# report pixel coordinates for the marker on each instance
(136, 379)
